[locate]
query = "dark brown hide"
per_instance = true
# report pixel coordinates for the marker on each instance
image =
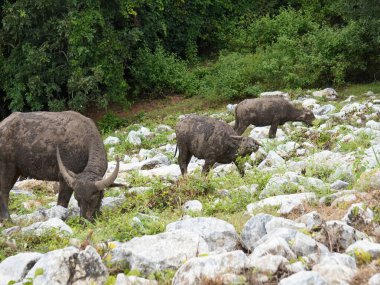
(268, 112)
(210, 139)
(29, 144)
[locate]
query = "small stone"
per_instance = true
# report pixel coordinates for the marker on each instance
(192, 206)
(111, 140)
(134, 138)
(339, 185)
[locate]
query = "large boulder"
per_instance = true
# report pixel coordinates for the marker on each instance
(218, 234)
(254, 230)
(152, 253)
(222, 268)
(336, 268)
(14, 268)
(69, 266)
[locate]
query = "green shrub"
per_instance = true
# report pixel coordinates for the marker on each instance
(160, 73)
(230, 77)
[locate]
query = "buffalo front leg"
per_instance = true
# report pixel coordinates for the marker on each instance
(64, 194)
(4, 214)
(207, 166)
(8, 178)
(273, 129)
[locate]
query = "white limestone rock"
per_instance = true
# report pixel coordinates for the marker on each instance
(134, 138)
(69, 266)
(275, 246)
(303, 245)
(253, 230)
(339, 185)
(328, 93)
(358, 213)
(286, 203)
(269, 264)
(304, 278)
(14, 268)
(374, 280)
(223, 267)
(53, 224)
(111, 140)
(342, 235)
(122, 279)
(192, 206)
(272, 160)
(43, 214)
(312, 220)
(218, 234)
(365, 245)
(275, 94)
(279, 222)
(152, 253)
(336, 268)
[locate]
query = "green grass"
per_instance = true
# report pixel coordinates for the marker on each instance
(162, 204)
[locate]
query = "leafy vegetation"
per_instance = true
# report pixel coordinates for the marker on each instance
(66, 54)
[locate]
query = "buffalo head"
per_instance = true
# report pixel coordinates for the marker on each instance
(87, 191)
(307, 117)
(245, 145)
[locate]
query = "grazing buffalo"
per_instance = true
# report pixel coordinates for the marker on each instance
(64, 147)
(210, 139)
(273, 111)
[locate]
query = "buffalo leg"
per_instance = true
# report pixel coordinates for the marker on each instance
(64, 194)
(184, 157)
(241, 128)
(240, 168)
(207, 166)
(273, 129)
(7, 179)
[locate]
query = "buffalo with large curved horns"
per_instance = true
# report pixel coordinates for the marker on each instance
(55, 146)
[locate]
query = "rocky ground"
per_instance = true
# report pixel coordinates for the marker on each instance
(306, 212)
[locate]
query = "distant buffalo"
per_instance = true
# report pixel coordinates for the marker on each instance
(212, 140)
(64, 147)
(272, 112)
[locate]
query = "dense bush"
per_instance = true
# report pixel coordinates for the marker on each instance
(160, 73)
(231, 77)
(59, 54)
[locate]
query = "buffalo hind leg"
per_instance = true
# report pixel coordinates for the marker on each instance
(184, 157)
(207, 166)
(241, 128)
(273, 129)
(64, 194)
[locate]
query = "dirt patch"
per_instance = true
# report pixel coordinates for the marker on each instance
(142, 106)
(365, 272)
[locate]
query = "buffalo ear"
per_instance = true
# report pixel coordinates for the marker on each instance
(234, 141)
(256, 142)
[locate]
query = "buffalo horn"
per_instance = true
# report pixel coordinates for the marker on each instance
(102, 184)
(65, 173)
